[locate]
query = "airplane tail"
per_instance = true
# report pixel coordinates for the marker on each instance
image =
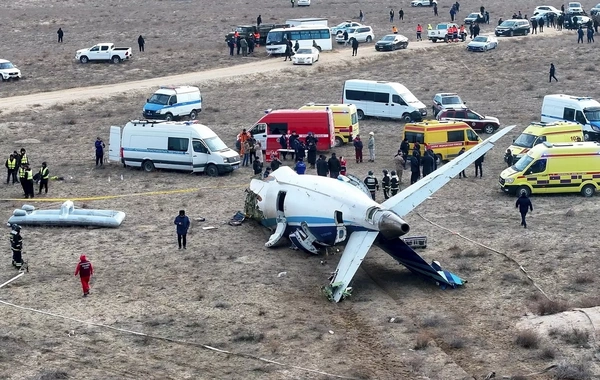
(405, 255)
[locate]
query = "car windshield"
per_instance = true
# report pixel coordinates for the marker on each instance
(388, 38)
(304, 51)
(6, 65)
(274, 37)
(215, 144)
(592, 114)
(525, 140)
(480, 39)
(159, 99)
(473, 15)
(242, 29)
(508, 23)
(451, 100)
(409, 98)
(523, 163)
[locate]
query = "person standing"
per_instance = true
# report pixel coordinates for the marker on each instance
(343, 166)
(258, 21)
(231, 45)
(300, 167)
(414, 168)
(29, 192)
(354, 47)
(334, 166)
(553, 72)
(183, 225)
(283, 143)
(435, 10)
(141, 42)
(541, 24)
(404, 147)
(385, 183)
(292, 1)
(401, 15)
(428, 162)
(361, 16)
(419, 31)
(534, 25)
(322, 167)
(400, 164)
(462, 174)
(60, 34)
(23, 179)
(345, 35)
(391, 15)
(394, 183)
(452, 13)
(244, 45)
(99, 144)
(358, 147)
(590, 35)
(16, 245)
(479, 166)
(524, 205)
(508, 158)
(312, 153)
(288, 49)
(24, 159)
(372, 184)
(11, 167)
(44, 178)
(371, 146)
(85, 270)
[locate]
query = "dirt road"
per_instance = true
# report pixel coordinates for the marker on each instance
(47, 99)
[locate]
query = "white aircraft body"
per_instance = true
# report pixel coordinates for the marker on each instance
(315, 212)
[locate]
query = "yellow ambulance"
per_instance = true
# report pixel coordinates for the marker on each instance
(345, 120)
(555, 168)
(446, 138)
(537, 133)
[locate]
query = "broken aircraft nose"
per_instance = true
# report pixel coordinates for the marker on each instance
(392, 226)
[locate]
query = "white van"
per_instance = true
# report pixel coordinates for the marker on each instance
(381, 99)
(583, 110)
(169, 102)
(187, 146)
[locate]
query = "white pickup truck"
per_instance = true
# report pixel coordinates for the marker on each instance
(104, 52)
(440, 31)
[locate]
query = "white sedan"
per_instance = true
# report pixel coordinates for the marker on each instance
(483, 43)
(306, 56)
(422, 3)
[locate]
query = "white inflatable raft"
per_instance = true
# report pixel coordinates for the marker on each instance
(67, 215)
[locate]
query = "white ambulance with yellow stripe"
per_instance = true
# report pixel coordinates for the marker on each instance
(555, 168)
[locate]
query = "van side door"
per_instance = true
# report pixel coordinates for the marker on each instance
(200, 154)
(259, 132)
(179, 157)
(398, 107)
(538, 177)
(380, 105)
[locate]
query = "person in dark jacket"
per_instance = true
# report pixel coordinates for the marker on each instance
(288, 50)
(283, 142)
(404, 147)
(275, 163)
(553, 71)
(293, 141)
(300, 167)
(428, 162)
(414, 168)
(141, 42)
(12, 166)
(508, 158)
(60, 34)
(267, 172)
(257, 167)
(231, 44)
(386, 183)
(258, 20)
(300, 150)
(354, 47)
(462, 174)
(296, 46)
(85, 270)
(372, 184)
(479, 166)
(312, 154)
(358, 147)
(183, 224)
(99, 144)
(16, 245)
(524, 205)
(322, 166)
(334, 166)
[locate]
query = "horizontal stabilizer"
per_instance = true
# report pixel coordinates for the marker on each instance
(405, 255)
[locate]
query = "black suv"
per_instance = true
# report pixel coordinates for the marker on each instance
(513, 28)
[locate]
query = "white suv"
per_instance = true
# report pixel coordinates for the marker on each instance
(361, 34)
(8, 71)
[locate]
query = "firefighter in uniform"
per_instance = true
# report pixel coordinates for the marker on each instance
(11, 166)
(372, 184)
(44, 178)
(16, 245)
(385, 183)
(394, 183)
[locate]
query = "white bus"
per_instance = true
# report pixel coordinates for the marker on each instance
(305, 35)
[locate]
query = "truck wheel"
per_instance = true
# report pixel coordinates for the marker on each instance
(84, 59)
(193, 115)
(169, 117)
(588, 191)
(489, 129)
(148, 166)
(523, 189)
(338, 142)
(116, 59)
(360, 114)
(212, 170)
(406, 118)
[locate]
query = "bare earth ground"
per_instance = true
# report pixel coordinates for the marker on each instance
(225, 291)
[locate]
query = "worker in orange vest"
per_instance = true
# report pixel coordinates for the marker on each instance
(419, 31)
(462, 31)
(256, 38)
(394, 30)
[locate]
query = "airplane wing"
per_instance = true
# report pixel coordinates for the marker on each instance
(356, 249)
(409, 198)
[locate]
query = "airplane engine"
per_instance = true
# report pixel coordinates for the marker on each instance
(391, 226)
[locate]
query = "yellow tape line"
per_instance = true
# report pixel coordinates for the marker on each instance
(103, 197)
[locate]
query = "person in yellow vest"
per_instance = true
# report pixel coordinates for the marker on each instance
(11, 166)
(22, 176)
(24, 159)
(29, 192)
(44, 178)
(429, 27)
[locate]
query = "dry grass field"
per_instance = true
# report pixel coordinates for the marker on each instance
(224, 290)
